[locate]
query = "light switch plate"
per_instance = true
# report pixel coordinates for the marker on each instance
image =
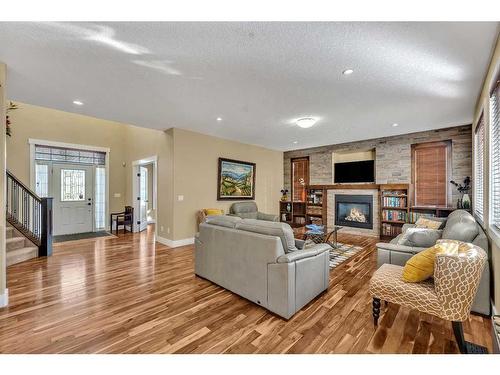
(117, 195)
(180, 198)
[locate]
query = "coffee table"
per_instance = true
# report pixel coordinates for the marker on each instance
(327, 235)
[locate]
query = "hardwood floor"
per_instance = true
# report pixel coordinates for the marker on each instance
(126, 295)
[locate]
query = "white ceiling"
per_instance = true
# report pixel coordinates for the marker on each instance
(258, 77)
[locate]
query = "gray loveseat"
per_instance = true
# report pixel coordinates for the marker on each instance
(460, 225)
(249, 210)
(262, 262)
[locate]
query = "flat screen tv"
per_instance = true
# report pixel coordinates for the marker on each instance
(355, 171)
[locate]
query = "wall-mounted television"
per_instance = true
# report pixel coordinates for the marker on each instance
(354, 171)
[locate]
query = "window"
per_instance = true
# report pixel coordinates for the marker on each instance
(69, 155)
(42, 180)
(495, 155)
(479, 169)
(431, 174)
(72, 185)
(300, 178)
(100, 197)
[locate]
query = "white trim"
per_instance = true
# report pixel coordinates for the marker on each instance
(4, 298)
(177, 243)
(43, 142)
(135, 169)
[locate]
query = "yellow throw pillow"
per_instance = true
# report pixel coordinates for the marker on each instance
(421, 266)
(429, 224)
(213, 211)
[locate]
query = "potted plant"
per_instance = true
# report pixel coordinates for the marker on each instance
(463, 189)
(12, 106)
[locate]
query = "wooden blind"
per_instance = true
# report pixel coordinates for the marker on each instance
(479, 169)
(431, 173)
(300, 178)
(495, 155)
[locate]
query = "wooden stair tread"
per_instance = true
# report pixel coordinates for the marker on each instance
(21, 255)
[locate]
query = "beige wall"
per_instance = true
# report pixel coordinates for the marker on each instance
(196, 164)
(3, 263)
(187, 163)
(484, 108)
(127, 143)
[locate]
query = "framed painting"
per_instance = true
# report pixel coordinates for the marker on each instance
(235, 180)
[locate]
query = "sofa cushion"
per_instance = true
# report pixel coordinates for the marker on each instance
(271, 228)
(460, 226)
(423, 222)
(213, 211)
(247, 215)
(419, 237)
(224, 220)
(243, 207)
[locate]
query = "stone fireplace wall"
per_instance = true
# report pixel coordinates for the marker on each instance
(392, 156)
(375, 232)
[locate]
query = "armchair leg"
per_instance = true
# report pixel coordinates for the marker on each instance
(376, 310)
(458, 331)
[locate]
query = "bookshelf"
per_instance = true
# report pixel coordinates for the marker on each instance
(394, 209)
(316, 206)
(293, 213)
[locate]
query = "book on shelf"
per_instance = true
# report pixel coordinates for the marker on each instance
(390, 230)
(394, 215)
(394, 202)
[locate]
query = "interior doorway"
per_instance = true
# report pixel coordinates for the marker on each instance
(144, 183)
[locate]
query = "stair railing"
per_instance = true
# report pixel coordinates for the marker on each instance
(29, 214)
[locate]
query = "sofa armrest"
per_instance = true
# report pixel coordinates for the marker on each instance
(301, 254)
(267, 217)
(400, 248)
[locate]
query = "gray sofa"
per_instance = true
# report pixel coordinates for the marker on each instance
(262, 262)
(460, 225)
(248, 210)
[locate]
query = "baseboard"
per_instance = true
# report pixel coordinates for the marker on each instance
(177, 243)
(4, 298)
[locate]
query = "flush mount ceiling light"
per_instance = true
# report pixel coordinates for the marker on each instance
(295, 142)
(219, 118)
(394, 125)
(306, 122)
(77, 102)
(347, 72)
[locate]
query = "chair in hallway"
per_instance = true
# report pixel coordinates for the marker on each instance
(122, 218)
(457, 273)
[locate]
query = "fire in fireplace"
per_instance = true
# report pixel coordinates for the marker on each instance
(354, 211)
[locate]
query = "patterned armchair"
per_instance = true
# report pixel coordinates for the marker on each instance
(457, 273)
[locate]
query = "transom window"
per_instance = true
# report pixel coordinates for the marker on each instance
(69, 155)
(72, 185)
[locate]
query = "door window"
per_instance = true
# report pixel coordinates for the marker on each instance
(42, 180)
(72, 185)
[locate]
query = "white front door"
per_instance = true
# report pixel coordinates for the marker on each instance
(72, 205)
(143, 195)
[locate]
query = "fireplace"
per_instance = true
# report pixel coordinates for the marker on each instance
(354, 211)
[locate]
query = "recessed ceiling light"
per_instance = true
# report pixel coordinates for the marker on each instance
(347, 72)
(306, 122)
(295, 142)
(394, 125)
(219, 118)
(77, 102)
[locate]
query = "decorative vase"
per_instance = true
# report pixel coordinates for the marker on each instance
(459, 203)
(289, 207)
(284, 198)
(466, 201)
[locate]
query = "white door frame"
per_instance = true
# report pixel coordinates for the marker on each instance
(135, 187)
(42, 142)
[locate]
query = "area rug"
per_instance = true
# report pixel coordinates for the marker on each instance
(81, 236)
(342, 253)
